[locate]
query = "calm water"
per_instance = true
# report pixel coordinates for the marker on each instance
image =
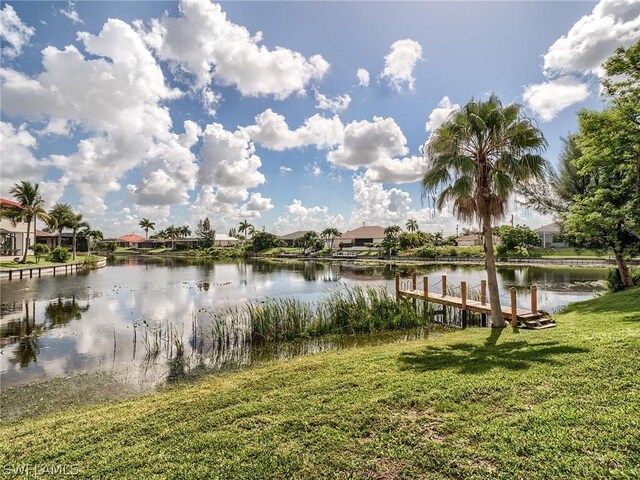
(58, 326)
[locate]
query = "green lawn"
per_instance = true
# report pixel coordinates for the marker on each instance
(277, 250)
(555, 404)
(569, 253)
(31, 262)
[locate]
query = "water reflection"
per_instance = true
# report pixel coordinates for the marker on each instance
(54, 326)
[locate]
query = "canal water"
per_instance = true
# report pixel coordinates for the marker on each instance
(110, 318)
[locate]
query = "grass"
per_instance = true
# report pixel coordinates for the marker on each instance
(568, 253)
(31, 262)
(559, 403)
(277, 250)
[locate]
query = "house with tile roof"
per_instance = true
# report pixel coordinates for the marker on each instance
(13, 238)
(361, 236)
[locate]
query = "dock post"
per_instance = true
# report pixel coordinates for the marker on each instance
(444, 285)
(414, 282)
(20, 274)
(463, 294)
(10, 274)
(514, 308)
(425, 286)
(534, 299)
(483, 292)
(397, 285)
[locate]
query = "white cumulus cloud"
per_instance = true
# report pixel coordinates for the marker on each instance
(400, 62)
(335, 104)
(440, 114)
(204, 44)
(272, 131)
(13, 32)
(547, 99)
(363, 77)
(593, 38)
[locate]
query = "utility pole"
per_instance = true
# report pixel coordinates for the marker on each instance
(512, 220)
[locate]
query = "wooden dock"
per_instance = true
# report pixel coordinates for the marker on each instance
(519, 317)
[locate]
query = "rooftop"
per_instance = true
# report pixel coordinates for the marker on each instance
(133, 238)
(10, 203)
(373, 231)
(291, 236)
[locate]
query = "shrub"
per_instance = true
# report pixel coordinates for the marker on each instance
(60, 255)
(428, 251)
(40, 249)
(614, 282)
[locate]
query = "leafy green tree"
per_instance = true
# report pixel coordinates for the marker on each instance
(206, 235)
(147, 225)
(233, 232)
(60, 255)
(412, 225)
(31, 208)
(264, 240)
(518, 236)
(477, 159)
(607, 214)
(39, 250)
(390, 243)
(91, 236)
(172, 232)
(311, 240)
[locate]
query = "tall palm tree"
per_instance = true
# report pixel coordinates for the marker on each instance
(477, 158)
(184, 232)
(172, 232)
(245, 228)
(60, 214)
(91, 234)
(412, 225)
(76, 222)
(147, 225)
(331, 234)
(31, 208)
(392, 230)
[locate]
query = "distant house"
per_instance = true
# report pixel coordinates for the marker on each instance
(290, 238)
(13, 239)
(551, 236)
(361, 236)
(223, 240)
(132, 240)
(470, 240)
(46, 238)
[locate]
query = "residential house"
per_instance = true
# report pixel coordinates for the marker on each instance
(469, 240)
(223, 240)
(132, 240)
(47, 238)
(551, 236)
(290, 238)
(360, 237)
(13, 238)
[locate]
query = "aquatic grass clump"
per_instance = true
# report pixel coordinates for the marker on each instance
(346, 311)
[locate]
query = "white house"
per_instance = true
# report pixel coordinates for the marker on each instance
(470, 240)
(13, 239)
(223, 240)
(550, 236)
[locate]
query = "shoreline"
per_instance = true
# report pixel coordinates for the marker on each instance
(38, 271)
(576, 262)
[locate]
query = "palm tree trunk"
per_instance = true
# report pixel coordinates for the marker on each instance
(26, 243)
(59, 238)
(497, 319)
(623, 270)
(74, 244)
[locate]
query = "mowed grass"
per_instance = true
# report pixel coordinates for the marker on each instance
(559, 403)
(31, 262)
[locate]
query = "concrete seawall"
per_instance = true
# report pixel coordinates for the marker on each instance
(54, 270)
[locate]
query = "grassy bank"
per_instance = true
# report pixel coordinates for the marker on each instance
(560, 403)
(44, 262)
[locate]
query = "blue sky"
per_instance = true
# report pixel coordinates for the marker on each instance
(177, 111)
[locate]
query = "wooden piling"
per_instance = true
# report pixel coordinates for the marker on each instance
(463, 294)
(514, 307)
(534, 299)
(397, 286)
(414, 282)
(425, 286)
(483, 292)
(444, 285)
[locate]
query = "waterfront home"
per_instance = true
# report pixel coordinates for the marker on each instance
(47, 238)
(469, 240)
(290, 238)
(13, 238)
(223, 240)
(361, 236)
(551, 236)
(132, 240)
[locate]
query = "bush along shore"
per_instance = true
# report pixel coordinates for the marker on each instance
(562, 403)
